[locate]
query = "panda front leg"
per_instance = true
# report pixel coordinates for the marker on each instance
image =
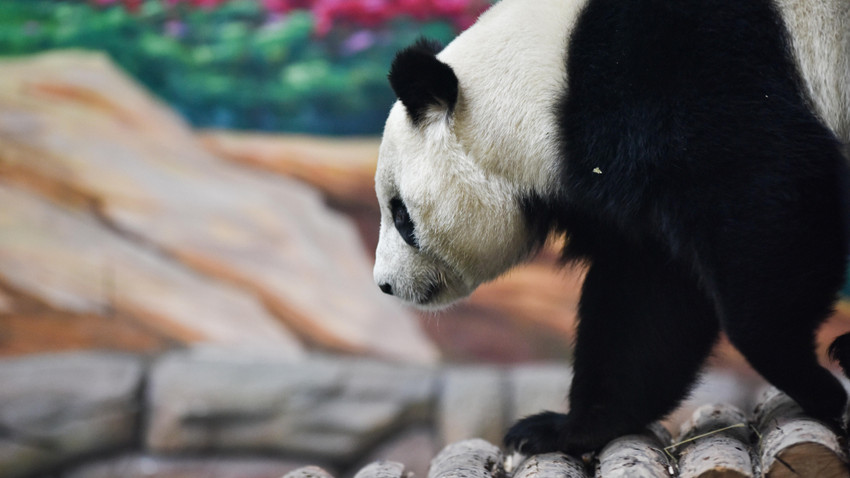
(645, 329)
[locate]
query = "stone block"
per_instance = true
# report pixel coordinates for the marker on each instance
(57, 408)
(319, 407)
(146, 466)
(472, 404)
(538, 387)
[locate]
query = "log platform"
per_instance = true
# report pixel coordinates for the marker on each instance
(719, 441)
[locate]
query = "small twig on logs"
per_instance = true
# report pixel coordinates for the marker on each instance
(669, 449)
(714, 442)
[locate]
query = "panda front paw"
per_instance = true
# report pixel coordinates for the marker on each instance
(537, 434)
(555, 432)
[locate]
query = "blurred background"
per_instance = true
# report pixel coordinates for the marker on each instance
(241, 82)
(187, 230)
(317, 67)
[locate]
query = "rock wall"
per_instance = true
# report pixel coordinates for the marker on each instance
(215, 412)
(112, 209)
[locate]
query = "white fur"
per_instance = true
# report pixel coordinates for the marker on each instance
(460, 174)
(820, 35)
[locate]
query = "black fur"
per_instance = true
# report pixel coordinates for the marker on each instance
(718, 207)
(839, 352)
(421, 81)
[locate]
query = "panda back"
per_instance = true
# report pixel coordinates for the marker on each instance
(675, 107)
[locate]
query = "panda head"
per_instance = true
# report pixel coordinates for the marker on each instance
(451, 216)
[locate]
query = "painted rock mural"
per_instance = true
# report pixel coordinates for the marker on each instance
(118, 218)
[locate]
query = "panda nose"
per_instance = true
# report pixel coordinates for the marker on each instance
(386, 288)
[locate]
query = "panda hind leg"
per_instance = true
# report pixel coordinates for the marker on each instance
(779, 342)
(775, 289)
(645, 329)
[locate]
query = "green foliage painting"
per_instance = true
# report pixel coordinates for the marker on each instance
(278, 65)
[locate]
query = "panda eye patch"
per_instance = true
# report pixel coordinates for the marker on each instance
(402, 221)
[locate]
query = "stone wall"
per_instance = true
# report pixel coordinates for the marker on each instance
(213, 412)
(216, 412)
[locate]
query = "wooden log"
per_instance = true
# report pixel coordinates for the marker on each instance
(384, 469)
(637, 456)
(550, 465)
(474, 458)
(308, 472)
(793, 445)
(715, 443)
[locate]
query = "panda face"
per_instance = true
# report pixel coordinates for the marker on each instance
(446, 226)
(470, 139)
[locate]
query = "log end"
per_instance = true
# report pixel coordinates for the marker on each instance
(807, 459)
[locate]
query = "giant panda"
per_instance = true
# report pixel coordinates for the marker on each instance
(692, 152)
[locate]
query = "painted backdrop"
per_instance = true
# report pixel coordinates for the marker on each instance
(316, 66)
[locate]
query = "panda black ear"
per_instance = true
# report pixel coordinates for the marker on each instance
(422, 81)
